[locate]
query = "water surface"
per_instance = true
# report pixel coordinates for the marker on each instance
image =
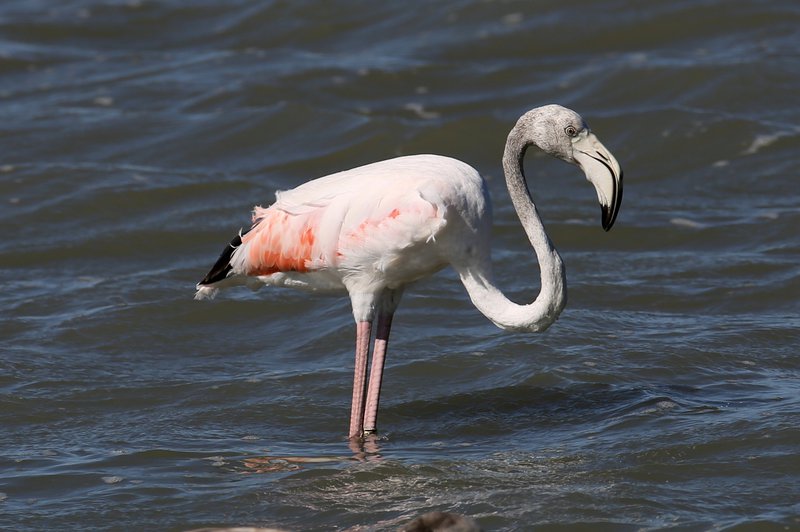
(136, 137)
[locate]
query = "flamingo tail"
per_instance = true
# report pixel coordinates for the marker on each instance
(221, 269)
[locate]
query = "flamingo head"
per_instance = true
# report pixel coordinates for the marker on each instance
(562, 133)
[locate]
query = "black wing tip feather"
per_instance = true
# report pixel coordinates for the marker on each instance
(223, 266)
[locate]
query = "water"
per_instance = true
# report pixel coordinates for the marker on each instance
(136, 136)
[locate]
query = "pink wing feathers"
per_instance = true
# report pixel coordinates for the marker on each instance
(361, 231)
(277, 242)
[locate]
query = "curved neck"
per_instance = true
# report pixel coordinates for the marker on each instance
(540, 314)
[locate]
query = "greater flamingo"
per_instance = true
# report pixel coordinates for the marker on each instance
(372, 230)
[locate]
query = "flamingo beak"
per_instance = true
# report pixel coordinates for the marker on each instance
(603, 171)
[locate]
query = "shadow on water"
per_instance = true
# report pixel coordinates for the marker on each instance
(526, 409)
(480, 423)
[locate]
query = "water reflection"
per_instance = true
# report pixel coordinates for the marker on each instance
(366, 449)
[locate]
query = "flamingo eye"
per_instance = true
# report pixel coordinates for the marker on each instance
(570, 131)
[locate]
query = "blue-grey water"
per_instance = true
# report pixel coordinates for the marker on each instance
(136, 135)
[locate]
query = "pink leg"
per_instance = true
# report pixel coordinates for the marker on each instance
(376, 372)
(363, 332)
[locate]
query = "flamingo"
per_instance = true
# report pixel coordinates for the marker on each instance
(372, 230)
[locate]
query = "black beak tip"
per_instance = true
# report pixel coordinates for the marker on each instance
(608, 218)
(610, 212)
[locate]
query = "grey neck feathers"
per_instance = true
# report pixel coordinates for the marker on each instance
(540, 314)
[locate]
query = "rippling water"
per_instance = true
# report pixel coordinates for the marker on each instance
(136, 136)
